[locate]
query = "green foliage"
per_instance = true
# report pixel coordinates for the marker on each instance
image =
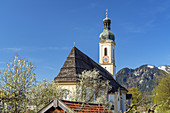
(44, 92)
(92, 88)
(15, 81)
(136, 95)
(162, 94)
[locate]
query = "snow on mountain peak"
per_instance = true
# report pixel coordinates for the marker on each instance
(165, 68)
(150, 66)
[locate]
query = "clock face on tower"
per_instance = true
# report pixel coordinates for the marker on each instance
(105, 59)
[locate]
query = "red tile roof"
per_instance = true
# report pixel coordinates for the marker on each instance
(63, 106)
(80, 107)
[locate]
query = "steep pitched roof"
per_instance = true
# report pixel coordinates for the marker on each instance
(63, 106)
(76, 63)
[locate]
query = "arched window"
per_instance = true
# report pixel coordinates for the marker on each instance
(105, 51)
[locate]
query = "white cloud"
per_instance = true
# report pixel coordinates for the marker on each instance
(134, 28)
(1, 69)
(92, 5)
(1, 62)
(57, 48)
(76, 28)
(168, 57)
(50, 67)
(45, 48)
(10, 49)
(33, 49)
(35, 60)
(52, 48)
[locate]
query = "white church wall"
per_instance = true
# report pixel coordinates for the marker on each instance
(71, 88)
(107, 67)
(112, 53)
(110, 65)
(111, 97)
(100, 53)
(118, 102)
(111, 101)
(124, 100)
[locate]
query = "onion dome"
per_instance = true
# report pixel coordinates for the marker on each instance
(107, 34)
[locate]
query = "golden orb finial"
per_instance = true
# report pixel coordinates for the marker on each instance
(106, 12)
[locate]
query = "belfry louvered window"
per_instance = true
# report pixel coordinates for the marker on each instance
(105, 51)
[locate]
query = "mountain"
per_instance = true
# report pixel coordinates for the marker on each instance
(166, 68)
(145, 77)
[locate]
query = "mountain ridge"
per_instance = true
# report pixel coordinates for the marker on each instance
(145, 77)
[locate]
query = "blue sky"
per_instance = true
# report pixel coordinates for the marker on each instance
(43, 31)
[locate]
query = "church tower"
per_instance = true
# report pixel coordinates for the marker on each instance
(107, 47)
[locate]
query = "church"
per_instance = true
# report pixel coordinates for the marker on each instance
(77, 62)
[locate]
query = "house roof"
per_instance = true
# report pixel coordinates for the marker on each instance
(76, 63)
(73, 107)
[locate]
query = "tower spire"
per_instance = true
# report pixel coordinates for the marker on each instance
(107, 34)
(107, 21)
(106, 12)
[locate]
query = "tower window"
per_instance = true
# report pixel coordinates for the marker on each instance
(105, 51)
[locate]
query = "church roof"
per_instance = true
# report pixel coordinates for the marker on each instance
(76, 63)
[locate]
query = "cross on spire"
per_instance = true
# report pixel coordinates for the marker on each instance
(106, 12)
